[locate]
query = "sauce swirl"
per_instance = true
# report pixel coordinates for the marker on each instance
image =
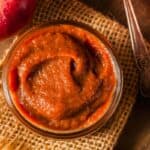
(62, 76)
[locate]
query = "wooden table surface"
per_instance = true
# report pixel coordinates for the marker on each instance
(136, 134)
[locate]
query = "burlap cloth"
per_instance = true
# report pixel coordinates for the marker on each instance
(15, 136)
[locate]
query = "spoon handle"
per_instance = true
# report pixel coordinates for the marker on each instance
(137, 40)
(140, 51)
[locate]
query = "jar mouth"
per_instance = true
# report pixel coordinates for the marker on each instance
(75, 132)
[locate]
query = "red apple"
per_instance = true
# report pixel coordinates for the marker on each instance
(14, 14)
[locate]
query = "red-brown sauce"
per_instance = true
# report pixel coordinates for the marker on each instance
(61, 77)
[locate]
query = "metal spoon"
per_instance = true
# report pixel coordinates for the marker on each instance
(140, 51)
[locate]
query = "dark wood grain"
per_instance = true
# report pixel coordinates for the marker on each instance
(136, 135)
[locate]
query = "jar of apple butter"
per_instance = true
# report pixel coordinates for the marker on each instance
(61, 80)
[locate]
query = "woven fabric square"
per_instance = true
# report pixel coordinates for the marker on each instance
(14, 136)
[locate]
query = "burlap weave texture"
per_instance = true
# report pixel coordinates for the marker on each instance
(15, 136)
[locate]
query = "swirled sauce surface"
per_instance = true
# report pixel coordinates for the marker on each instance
(61, 77)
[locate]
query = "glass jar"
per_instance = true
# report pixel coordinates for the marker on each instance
(25, 116)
